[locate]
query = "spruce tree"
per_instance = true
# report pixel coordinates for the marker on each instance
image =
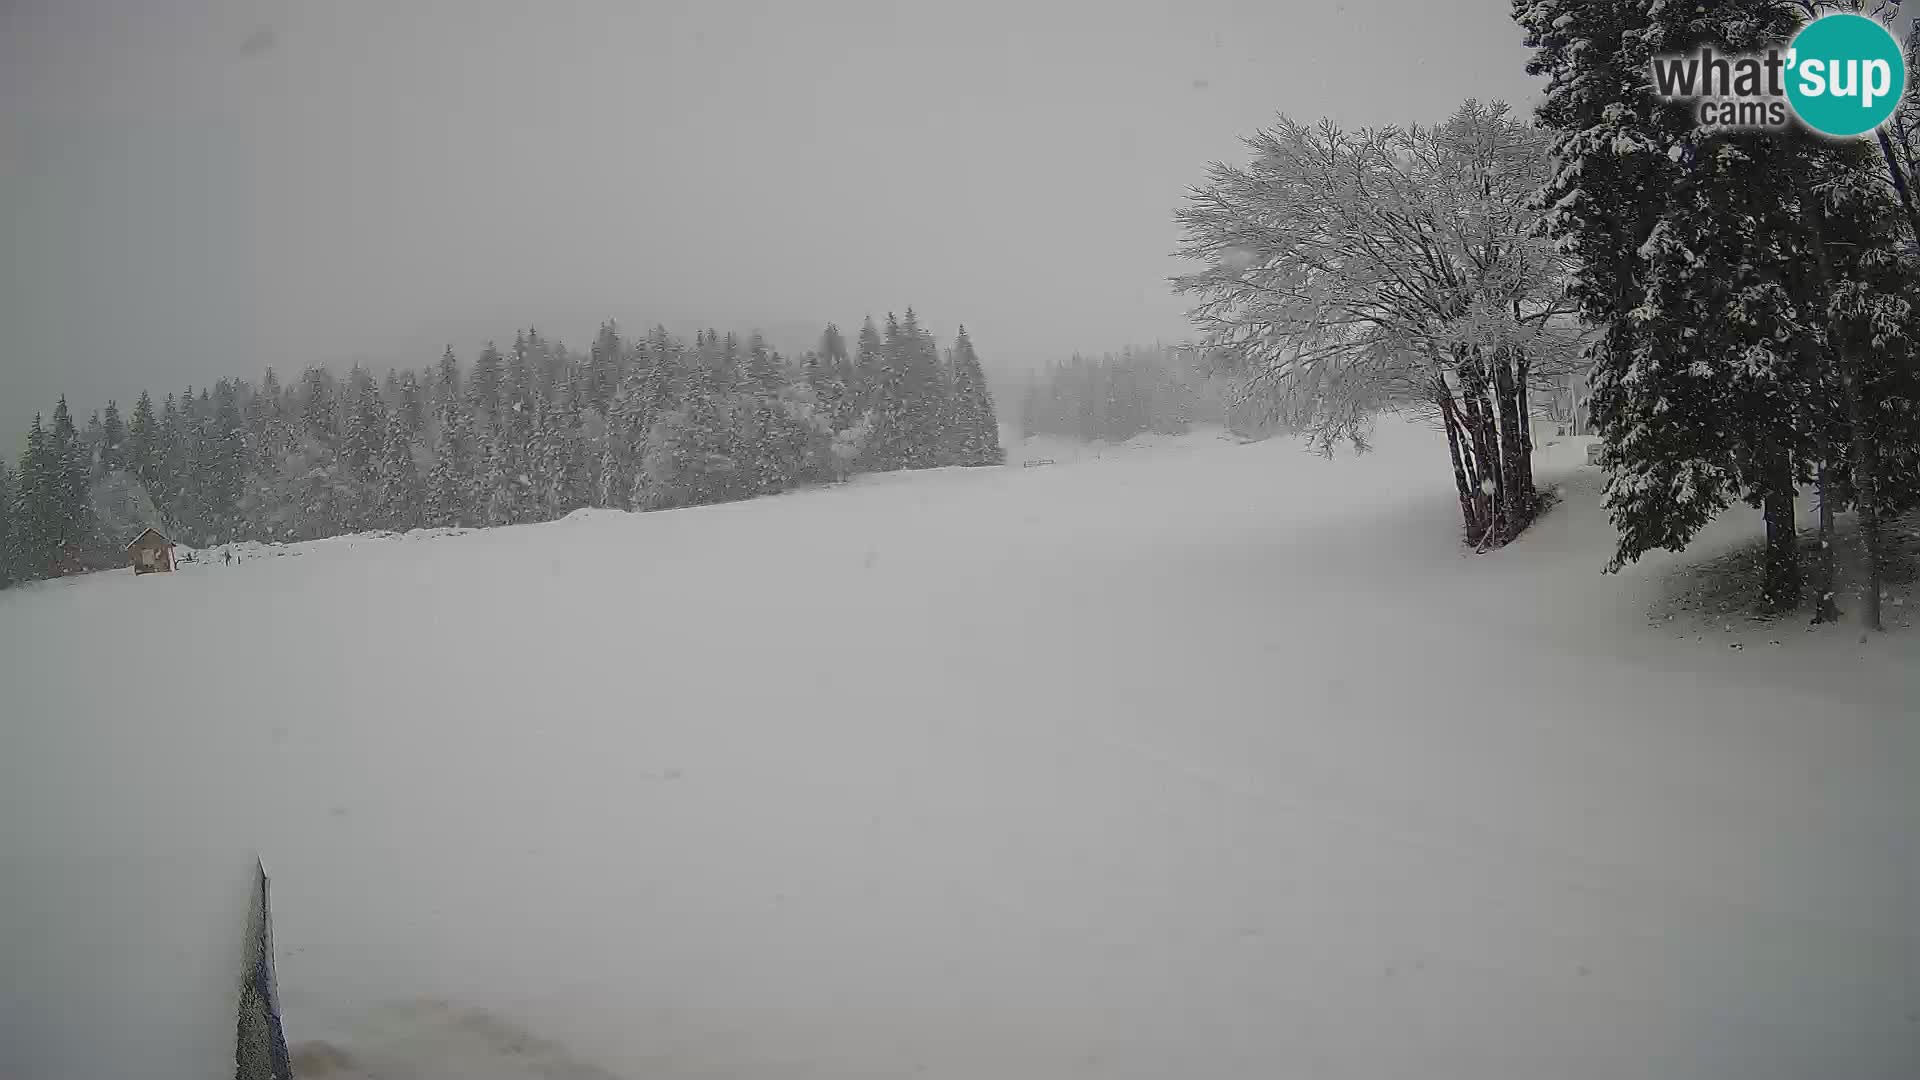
(689, 457)
(451, 482)
(37, 541)
(363, 449)
(487, 385)
(556, 459)
(869, 364)
(143, 443)
(976, 428)
(401, 491)
(113, 438)
(170, 451)
(365, 431)
(1868, 348)
(516, 407)
(410, 406)
(605, 361)
(73, 520)
(224, 461)
(906, 398)
(320, 406)
(890, 445)
(93, 442)
(645, 394)
(446, 379)
(830, 371)
(263, 410)
(764, 372)
(1683, 244)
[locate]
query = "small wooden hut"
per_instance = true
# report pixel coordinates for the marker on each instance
(150, 553)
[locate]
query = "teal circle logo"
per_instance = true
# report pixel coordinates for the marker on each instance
(1845, 75)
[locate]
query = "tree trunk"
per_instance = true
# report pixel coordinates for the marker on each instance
(1824, 608)
(1522, 369)
(1460, 484)
(1781, 583)
(1480, 422)
(1512, 448)
(1476, 477)
(1865, 497)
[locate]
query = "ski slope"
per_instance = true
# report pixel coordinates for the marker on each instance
(1206, 760)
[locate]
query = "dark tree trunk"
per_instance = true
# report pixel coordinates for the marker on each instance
(1476, 477)
(1824, 608)
(1780, 585)
(1460, 483)
(1485, 448)
(1522, 372)
(1512, 448)
(1865, 496)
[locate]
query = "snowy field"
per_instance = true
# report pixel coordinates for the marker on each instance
(1184, 762)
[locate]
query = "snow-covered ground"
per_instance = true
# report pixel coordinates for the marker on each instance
(1205, 760)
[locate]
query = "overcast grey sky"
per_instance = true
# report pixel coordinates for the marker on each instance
(190, 190)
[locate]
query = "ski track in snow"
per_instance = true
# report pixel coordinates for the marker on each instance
(1185, 759)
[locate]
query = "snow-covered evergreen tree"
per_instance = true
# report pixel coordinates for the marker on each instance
(365, 431)
(976, 428)
(223, 463)
(644, 395)
(143, 444)
(829, 370)
(363, 445)
(501, 491)
(410, 404)
(868, 365)
(452, 480)
(37, 531)
(556, 461)
(264, 408)
(70, 467)
(401, 492)
(516, 416)
(113, 438)
(906, 399)
(1722, 272)
(605, 367)
(93, 440)
(319, 406)
(446, 379)
(689, 456)
(487, 385)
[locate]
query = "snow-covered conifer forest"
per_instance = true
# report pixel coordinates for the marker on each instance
(532, 434)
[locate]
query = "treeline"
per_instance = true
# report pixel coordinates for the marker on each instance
(1115, 396)
(529, 434)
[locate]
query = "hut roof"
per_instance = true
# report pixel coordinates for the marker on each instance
(144, 533)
